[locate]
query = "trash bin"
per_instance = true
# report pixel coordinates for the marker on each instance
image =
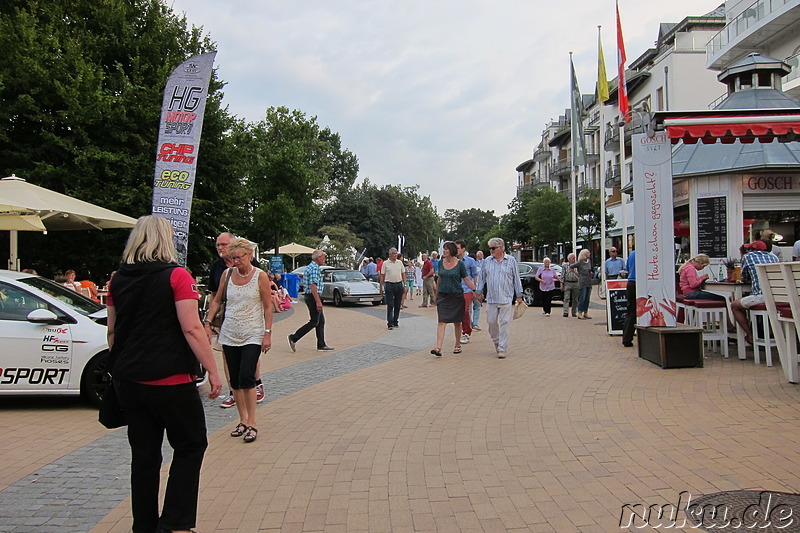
(291, 282)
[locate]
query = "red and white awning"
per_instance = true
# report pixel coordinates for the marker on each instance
(710, 127)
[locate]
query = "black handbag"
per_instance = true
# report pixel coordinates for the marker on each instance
(111, 414)
(217, 320)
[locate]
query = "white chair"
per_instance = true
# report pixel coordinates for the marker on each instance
(712, 316)
(780, 283)
(765, 340)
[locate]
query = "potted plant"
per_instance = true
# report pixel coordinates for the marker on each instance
(734, 270)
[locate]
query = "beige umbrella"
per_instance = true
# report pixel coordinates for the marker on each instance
(292, 250)
(28, 207)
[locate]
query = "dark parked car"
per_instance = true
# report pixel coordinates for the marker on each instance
(530, 287)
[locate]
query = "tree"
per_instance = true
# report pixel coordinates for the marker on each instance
(587, 211)
(291, 168)
(550, 214)
(342, 246)
(378, 216)
(470, 225)
(81, 85)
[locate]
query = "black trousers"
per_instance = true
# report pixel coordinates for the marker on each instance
(151, 410)
(394, 298)
(630, 319)
(316, 321)
(547, 301)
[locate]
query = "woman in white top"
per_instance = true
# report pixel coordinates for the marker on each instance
(246, 332)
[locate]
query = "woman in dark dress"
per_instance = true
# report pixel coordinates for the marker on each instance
(450, 296)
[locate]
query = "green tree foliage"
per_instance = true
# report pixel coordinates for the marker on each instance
(470, 225)
(588, 216)
(342, 247)
(550, 217)
(290, 168)
(379, 215)
(81, 85)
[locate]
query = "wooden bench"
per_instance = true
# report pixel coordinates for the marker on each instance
(780, 283)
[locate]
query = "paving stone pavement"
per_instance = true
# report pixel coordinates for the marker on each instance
(381, 436)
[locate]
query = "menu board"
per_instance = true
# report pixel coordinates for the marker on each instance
(712, 226)
(616, 305)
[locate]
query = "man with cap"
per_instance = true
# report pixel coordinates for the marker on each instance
(614, 264)
(760, 254)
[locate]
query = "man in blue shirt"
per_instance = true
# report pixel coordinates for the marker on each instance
(312, 288)
(630, 293)
(760, 255)
(500, 286)
(613, 265)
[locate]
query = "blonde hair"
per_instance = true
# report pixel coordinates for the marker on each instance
(703, 259)
(150, 241)
(239, 243)
(584, 254)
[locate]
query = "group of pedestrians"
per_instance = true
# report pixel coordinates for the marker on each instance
(157, 343)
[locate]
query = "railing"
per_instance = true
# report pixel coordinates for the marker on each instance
(613, 177)
(743, 22)
(562, 167)
(715, 103)
(541, 154)
(794, 61)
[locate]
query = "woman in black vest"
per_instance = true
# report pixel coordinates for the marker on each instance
(156, 339)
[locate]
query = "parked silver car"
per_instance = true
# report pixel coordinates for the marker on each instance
(340, 286)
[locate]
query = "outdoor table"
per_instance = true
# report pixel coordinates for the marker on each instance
(727, 288)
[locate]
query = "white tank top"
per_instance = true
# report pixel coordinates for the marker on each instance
(244, 313)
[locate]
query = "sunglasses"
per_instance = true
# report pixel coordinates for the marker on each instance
(493, 248)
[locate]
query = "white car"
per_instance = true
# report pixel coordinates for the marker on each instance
(52, 339)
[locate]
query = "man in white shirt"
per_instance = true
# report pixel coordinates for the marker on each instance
(393, 285)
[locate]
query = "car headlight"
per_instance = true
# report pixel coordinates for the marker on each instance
(346, 289)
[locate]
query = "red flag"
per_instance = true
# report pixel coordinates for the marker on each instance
(622, 90)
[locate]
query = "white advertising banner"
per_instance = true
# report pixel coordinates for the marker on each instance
(179, 143)
(655, 248)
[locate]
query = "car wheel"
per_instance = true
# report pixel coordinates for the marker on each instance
(529, 296)
(337, 299)
(94, 381)
(379, 302)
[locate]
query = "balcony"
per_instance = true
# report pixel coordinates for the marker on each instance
(561, 168)
(791, 82)
(750, 31)
(638, 123)
(583, 189)
(592, 156)
(542, 154)
(613, 177)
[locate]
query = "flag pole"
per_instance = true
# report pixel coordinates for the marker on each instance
(601, 148)
(622, 100)
(572, 163)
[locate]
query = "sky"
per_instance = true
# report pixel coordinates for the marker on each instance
(448, 95)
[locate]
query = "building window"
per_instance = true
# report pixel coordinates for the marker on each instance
(660, 99)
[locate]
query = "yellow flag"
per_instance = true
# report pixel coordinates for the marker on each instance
(602, 79)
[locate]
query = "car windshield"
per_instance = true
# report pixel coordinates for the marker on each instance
(74, 300)
(350, 275)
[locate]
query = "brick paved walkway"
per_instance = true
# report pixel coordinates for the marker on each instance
(381, 436)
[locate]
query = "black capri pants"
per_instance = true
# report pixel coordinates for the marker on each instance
(242, 361)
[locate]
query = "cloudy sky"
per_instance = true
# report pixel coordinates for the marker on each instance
(448, 95)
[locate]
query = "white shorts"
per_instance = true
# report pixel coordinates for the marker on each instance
(750, 301)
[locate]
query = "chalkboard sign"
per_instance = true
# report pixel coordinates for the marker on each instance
(616, 305)
(712, 226)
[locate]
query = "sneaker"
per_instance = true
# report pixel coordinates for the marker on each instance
(476, 328)
(501, 355)
(395, 325)
(464, 339)
(260, 395)
(229, 401)
(547, 314)
(422, 306)
(291, 343)
(324, 349)
(390, 327)
(565, 315)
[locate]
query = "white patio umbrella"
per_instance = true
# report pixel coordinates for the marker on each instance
(292, 250)
(28, 207)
